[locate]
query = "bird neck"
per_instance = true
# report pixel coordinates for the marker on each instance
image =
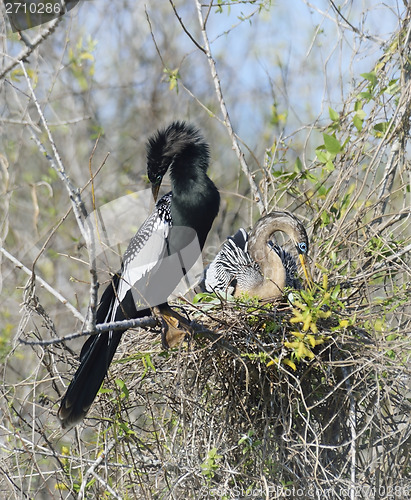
(273, 273)
(272, 267)
(195, 200)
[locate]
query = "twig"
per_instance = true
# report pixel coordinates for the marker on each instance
(399, 127)
(352, 423)
(227, 121)
(43, 283)
(30, 46)
(190, 36)
(106, 485)
(53, 231)
(92, 468)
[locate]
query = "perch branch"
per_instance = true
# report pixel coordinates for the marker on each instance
(145, 322)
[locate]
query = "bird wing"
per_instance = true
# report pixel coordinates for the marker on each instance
(232, 260)
(145, 251)
(240, 239)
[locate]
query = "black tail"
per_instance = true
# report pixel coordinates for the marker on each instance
(95, 358)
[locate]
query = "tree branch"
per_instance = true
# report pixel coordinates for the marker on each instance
(227, 121)
(190, 36)
(30, 46)
(77, 314)
(79, 209)
(145, 322)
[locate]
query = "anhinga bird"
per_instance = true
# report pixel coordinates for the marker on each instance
(253, 264)
(158, 256)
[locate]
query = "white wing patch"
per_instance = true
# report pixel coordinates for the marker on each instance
(145, 250)
(153, 251)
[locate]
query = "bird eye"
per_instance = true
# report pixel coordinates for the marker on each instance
(158, 179)
(302, 247)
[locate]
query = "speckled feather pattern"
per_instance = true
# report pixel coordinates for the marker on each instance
(160, 216)
(233, 267)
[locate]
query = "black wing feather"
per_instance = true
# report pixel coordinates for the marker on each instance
(98, 350)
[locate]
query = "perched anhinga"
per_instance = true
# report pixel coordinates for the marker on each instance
(165, 247)
(253, 264)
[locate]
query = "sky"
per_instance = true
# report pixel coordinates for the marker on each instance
(293, 52)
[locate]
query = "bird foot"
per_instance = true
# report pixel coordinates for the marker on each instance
(175, 327)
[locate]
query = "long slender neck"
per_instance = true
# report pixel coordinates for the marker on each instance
(273, 274)
(271, 265)
(195, 201)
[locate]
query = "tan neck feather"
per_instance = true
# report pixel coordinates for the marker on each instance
(273, 273)
(272, 268)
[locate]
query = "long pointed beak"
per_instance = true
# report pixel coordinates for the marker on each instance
(306, 270)
(155, 189)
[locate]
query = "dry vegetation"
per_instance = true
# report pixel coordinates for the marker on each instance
(302, 399)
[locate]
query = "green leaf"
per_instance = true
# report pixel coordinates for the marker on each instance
(321, 155)
(123, 388)
(357, 105)
(393, 87)
(332, 145)
(325, 218)
(335, 117)
(371, 77)
(366, 95)
(357, 121)
(298, 166)
(381, 127)
(173, 76)
(335, 292)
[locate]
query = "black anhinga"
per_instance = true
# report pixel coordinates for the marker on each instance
(253, 264)
(158, 256)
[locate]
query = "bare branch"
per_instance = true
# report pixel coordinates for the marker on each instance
(91, 470)
(77, 314)
(145, 322)
(190, 36)
(227, 122)
(79, 209)
(31, 46)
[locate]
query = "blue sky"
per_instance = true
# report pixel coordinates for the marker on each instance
(291, 51)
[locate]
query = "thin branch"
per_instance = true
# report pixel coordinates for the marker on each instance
(43, 283)
(79, 209)
(145, 322)
(352, 423)
(227, 121)
(399, 126)
(53, 231)
(90, 470)
(30, 46)
(190, 36)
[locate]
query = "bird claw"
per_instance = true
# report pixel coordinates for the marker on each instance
(174, 328)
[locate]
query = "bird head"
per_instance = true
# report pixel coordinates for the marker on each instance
(299, 237)
(288, 223)
(176, 148)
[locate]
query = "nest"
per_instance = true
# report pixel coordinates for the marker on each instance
(235, 409)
